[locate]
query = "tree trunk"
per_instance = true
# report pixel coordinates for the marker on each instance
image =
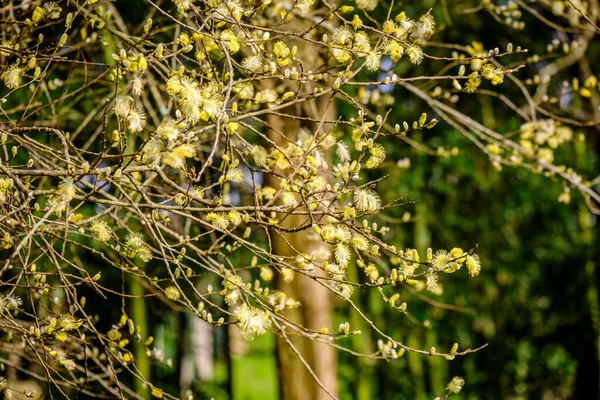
(295, 381)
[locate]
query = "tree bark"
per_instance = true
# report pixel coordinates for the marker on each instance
(295, 381)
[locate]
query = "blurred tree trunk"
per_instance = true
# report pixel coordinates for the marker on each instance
(415, 366)
(139, 314)
(295, 381)
(361, 343)
(438, 368)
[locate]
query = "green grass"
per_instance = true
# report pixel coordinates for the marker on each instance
(255, 373)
